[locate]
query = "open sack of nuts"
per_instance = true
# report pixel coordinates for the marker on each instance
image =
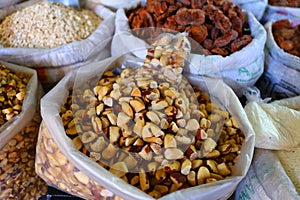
(223, 36)
(142, 130)
(18, 99)
(282, 9)
(19, 125)
(282, 60)
(53, 38)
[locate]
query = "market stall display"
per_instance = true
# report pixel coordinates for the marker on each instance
(131, 113)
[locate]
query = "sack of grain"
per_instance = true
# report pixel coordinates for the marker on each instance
(63, 42)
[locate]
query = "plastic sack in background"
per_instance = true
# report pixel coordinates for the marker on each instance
(114, 5)
(88, 172)
(5, 3)
(16, 124)
(52, 64)
(239, 70)
(276, 124)
(274, 13)
(266, 179)
(257, 7)
(281, 74)
(274, 171)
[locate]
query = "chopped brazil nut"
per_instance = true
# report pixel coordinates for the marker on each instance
(18, 179)
(12, 93)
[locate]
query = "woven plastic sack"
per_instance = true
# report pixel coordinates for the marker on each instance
(269, 122)
(238, 70)
(266, 179)
(4, 3)
(53, 64)
(281, 74)
(273, 174)
(94, 173)
(274, 13)
(257, 7)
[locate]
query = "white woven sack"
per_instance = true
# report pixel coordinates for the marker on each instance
(257, 7)
(266, 179)
(282, 70)
(5, 3)
(274, 13)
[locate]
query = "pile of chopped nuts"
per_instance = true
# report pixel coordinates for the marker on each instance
(18, 179)
(56, 169)
(12, 93)
(47, 25)
(151, 130)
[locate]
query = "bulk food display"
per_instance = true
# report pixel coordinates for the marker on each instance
(282, 61)
(285, 3)
(150, 99)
